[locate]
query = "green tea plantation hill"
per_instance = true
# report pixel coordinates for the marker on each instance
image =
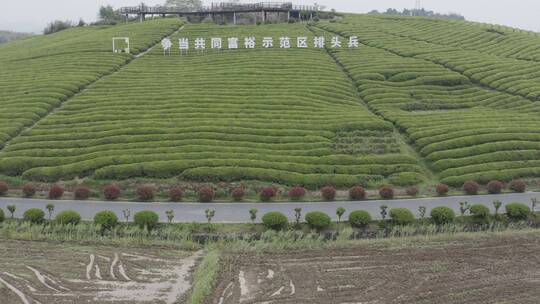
(419, 101)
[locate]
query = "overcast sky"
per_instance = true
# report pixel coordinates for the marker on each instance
(32, 15)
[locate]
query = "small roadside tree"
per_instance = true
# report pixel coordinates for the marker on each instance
(253, 215)
(384, 211)
(127, 214)
(209, 214)
(463, 208)
(497, 205)
(340, 212)
(170, 215)
(50, 209)
(297, 215)
(422, 210)
(11, 209)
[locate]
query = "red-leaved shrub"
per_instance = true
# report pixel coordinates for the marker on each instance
(56, 192)
(328, 193)
(495, 187)
(237, 194)
(176, 194)
(3, 188)
(413, 191)
(297, 193)
(386, 192)
(82, 193)
(206, 194)
(441, 189)
(111, 192)
(471, 187)
(357, 193)
(28, 190)
(267, 193)
(145, 193)
(518, 186)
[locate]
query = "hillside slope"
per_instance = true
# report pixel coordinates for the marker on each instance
(284, 116)
(465, 96)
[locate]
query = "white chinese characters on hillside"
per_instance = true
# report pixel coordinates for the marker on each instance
(232, 43)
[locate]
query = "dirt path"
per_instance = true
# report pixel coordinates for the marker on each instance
(488, 270)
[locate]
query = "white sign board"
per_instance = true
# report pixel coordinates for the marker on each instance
(123, 41)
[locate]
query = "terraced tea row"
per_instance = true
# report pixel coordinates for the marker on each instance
(465, 131)
(41, 72)
(485, 62)
(284, 116)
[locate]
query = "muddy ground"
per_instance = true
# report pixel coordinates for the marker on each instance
(54, 273)
(503, 269)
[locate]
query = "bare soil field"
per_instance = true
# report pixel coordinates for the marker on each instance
(50, 273)
(495, 269)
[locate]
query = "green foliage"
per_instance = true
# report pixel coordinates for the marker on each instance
(57, 26)
(340, 211)
(517, 211)
(285, 137)
(106, 219)
(480, 213)
(68, 217)
(359, 218)
(2, 215)
(275, 220)
(318, 220)
(401, 216)
(146, 219)
(34, 215)
(442, 215)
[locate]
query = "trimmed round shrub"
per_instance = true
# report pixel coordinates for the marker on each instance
(318, 220)
(2, 215)
(145, 193)
(328, 193)
(106, 219)
(442, 215)
(275, 220)
(237, 194)
(297, 193)
(480, 213)
(206, 194)
(82, 193)
(441, 189)
(359, 218)
(495, 187)
(34, 216)
(56, 192)
(357, 193)
(518, 186)
(111, 192)
(176, 194)
(401, 216)
(3, 188)
(28, 190)
(471, 187)
(413, 191)
(517, 211)
(267, 193)
(147, 218)
(386, 193)
(68, 217)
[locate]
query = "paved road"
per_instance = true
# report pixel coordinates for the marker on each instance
(238, 212)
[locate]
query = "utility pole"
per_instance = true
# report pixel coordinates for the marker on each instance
(417, 7)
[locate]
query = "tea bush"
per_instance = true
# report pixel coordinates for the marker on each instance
(359, 218)
(318, 220)
(275, 220)
(401, 216)
(442, 215)
(68, 217)
(146, 219)
(106, 219)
